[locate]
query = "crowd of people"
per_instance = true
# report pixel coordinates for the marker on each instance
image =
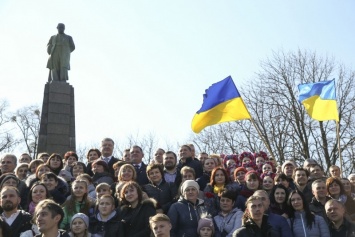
(247, 194)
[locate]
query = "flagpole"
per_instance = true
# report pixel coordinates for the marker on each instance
(262, 138)
(339, 150)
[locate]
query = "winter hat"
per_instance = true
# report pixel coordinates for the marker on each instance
(102, 163)
(82, 216)
(189, 183)
(240, 169)
(205, 222)
(5, 177)
(288, 162)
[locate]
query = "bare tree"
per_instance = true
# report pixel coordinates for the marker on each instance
(7, 140)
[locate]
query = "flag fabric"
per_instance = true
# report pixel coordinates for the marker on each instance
(221, 103)
(319, 100)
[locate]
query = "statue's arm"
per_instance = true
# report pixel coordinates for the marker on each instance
(71, 44)
(49, 46)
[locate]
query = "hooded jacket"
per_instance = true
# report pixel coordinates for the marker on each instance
(300, 229)
(229, 223)
(251, 229)
(110, 228)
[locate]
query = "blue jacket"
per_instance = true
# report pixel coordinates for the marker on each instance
(300, 229)
(279, 223)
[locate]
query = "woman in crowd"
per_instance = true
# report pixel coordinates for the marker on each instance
(33, 178)
(38, 192)
(252, 183)
(208, 165)
(302, 221)
(218, 183)
(107, 221)
(186, 213)
(284, 180)
(239, 176)
(55, 186)
(21, 171)
(93, 154)
(268, 183)
(55, 163)
(134, 211)
(158, 188)
(116, 167)
(79, 225)
(125, 174)
(91, 187)
(77, 168)
(32, 167)
(77, 202)
(347, 187)
(335, 190)
(278, 201)
(229, 218)
(101, 173)
(70, 158)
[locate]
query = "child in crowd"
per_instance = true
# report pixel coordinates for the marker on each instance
(205, 227)
(79, 226)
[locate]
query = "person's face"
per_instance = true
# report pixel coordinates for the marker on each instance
(79, 189)
(93, 156)
(155, 176)
(296, 202)
(33, 168)
(191, 194)
(136, 155)
(334, 189)
(280, 196)
(7, 165)
(252, 184)
(335, 172)
(77, 169)
(38, 193)
(334, 211)
(264, 199)
(187, 176)
(268, 183)
(184, 152)
(44, 158)
(284, 182)
(107, 148)
(259, 161)
(203, 157)
(71, 160)
(97, 169)
(288, 170)
(347, 185)
(9, 200)
(316, 172)
(45, 222)
(219, 177)
(352, 179)
(131, 195)
(78, 226)
(126, 174)
(319, 190)
(240, 176)
(10, 182)
(43, 170)
(55, 162)
(267, 169)
(161, 228)
(301, 177)
(226, 204)
(192, 151)
(102, 191)
(50, 183)
(256, 210)
(209, 165)
(205, 232)
(158, 156)
(25, 159)
(169, 161)
(246, 160)
(106, 206)
(22, 173)
(126, 156)
(231, 163)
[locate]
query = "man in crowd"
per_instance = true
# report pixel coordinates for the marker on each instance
(48, 216)
(18, 221)
(338, 224)
(316, 172)
(25, 158)
(137, 161)
(319, 199)
(158, 156)
(186, 159)
(171, 174)
(202, 157)
(126, 155)
(300, 179)
(160, 225)
(334, 171)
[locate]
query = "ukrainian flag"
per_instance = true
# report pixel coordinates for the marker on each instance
(319, 99)
(221, 103)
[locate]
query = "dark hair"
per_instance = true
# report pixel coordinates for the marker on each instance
(52, 207)
(70, 153)
(129, 185)
(331, 180)
(229, 194)
(281, 176)
(48, 195)
(50, 175)
(39, 167)
(273, 200)
(160, 167)
(310, 218)
(78, 163)
(85, 176)
(213, 175)
(171, 152)
(57, 170)
(95, 150)
(299, 169)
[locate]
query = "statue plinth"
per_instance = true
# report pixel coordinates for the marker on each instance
(57, 130)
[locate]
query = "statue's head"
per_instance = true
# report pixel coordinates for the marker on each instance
(61, 28)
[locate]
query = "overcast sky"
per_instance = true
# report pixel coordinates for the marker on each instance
(142, 66)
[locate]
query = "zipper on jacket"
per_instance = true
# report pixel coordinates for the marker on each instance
(304, 230)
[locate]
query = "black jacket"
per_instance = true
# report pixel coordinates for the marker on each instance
(110, 228)
(21, 224)
(250, 229)
(195, 164)
(164, 194)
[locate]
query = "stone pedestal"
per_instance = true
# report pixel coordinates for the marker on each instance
(57, 130)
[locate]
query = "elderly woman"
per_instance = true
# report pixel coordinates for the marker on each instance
(158, 188)
(186, 213)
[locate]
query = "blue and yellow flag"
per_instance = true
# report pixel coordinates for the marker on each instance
(221, 103)
(319, 99)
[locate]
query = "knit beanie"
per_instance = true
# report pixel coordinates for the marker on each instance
(82, 216)
(189, 183)
(205, 222)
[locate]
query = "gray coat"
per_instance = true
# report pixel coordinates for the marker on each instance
(228, 224)
(300, 229)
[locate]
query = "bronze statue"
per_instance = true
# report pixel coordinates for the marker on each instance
(59, 48)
